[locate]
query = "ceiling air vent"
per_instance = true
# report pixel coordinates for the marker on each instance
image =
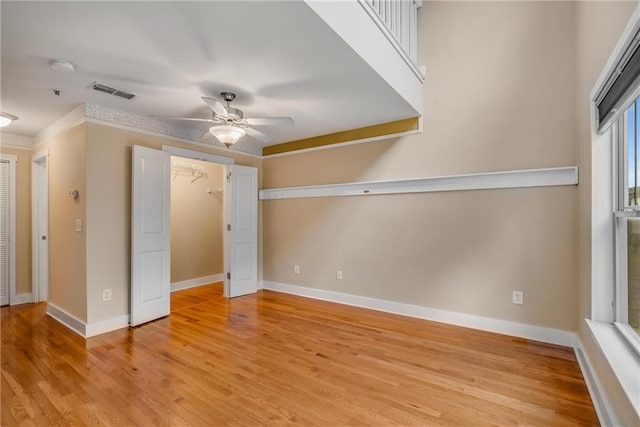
(111, 90)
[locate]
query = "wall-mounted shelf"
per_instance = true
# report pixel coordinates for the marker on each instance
(479, 181)
(187, 169)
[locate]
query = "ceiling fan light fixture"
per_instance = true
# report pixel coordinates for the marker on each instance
(6, 119)
(228, 135)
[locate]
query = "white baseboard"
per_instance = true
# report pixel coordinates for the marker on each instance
(83, 329)
(69, 320)
(22, 299)
(536, 333)
(604, 410)
(97, 328)
(198, 281)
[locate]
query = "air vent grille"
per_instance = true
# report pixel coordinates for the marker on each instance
(100, 87)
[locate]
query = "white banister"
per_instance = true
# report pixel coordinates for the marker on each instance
(400, 19)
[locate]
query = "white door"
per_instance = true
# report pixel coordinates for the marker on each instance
(4, 232)
(40, 229)
(150, 244)
(242, 278)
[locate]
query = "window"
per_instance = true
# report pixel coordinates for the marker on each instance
(627, 214)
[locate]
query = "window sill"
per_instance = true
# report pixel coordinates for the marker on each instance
(622, 358)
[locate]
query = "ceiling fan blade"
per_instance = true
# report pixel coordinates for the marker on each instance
(216, 106)
(256, 134)
(269, 121)
(186, 118)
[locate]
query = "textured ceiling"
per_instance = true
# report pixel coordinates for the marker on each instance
(278, 57)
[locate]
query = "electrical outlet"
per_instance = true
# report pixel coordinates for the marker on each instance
(106, 295)
(518, 297)
(339, 275)
(296, 269)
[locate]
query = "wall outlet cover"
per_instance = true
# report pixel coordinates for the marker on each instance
(518, 297)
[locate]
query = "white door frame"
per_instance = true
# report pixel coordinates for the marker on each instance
(40, 225)
(12, 225)
(224, 162)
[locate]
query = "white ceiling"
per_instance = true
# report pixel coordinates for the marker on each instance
(277, 56)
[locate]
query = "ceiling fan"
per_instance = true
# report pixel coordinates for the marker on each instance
(230, 124)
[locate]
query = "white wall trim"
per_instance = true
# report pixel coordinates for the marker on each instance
(604, 410)
(68, 320)
(22, 299)
(536, 333)
(197, 155)
(39, 199)
(9, 157)
(198, 281)
(97, 328)
(70, 120)
(478, 181)
(357, 141)
(622, 359)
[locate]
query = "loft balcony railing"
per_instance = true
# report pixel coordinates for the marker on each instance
(398, 19)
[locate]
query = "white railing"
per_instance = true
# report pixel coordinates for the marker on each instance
(400, 19)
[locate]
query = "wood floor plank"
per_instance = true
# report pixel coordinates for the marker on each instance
(276, 359)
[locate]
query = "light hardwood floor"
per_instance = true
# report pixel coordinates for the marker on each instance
(276, 359)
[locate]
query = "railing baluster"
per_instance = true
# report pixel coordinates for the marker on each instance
(400, 18)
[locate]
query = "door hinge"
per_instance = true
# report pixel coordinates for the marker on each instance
(228, 227)
(228, 276)
(228, 176)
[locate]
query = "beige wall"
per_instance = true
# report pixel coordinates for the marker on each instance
(109, 212)
(23, 218)
(499, 95)
(599, 25)
(67, 248)
(196, 222)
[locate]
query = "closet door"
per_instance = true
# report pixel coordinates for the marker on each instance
(150, 237)
(4, 232)
(243, 263)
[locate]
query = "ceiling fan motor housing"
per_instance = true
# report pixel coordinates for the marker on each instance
(234, 113)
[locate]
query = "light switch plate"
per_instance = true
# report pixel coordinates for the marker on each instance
(79, 226)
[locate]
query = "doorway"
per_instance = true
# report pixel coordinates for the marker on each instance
(40, 227)
(150, 229)
(197, 197)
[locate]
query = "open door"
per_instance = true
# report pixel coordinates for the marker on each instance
(242, 276)
(150, 235)
(40, 227)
